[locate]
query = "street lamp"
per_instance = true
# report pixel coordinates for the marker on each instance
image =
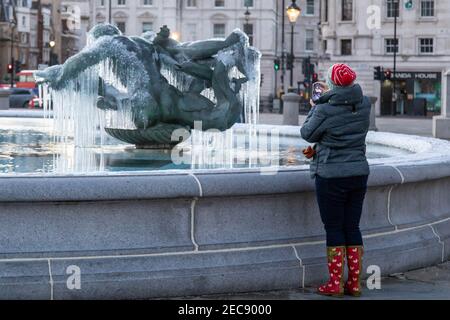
(175, 35)
(52, 45)
(247, 15)
(293, 12)
(12, 25)
(110, 12)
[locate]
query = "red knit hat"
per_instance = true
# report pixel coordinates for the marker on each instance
(342, 75)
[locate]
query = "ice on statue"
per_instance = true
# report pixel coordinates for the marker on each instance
(142, 89)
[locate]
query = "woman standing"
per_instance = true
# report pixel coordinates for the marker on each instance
(338, 124)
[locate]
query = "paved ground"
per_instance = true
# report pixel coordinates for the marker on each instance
(425, 284)
(417, 126)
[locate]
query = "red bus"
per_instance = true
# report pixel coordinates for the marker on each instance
(26, 79)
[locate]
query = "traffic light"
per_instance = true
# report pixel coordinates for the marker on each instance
(277, 64)
(388, 74)
(10, 68)
(315, 77)
(306, 66)
(378, 73)
(18, 66)
(312, 69)
(290, 62)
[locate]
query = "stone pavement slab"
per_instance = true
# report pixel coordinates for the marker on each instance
(406, 125)
(425, 284)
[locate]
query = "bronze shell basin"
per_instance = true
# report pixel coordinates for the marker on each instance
(157, 137)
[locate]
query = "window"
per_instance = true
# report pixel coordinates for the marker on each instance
(191, 3)
(427, 8)
(309, 43)
(248, 3)
(347, 10)
(24, 37)
(248, 29)
(325, 45)
(147, 26)
(101, 3)
(346, 47)
(121, 2)
(426, 45)
(325, 9)
(310, 7)
(391, 45)
(219, 30)
(122, 26)
(392, 8)
(219, 3)
(147, 2)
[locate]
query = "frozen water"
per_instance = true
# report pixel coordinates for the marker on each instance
(26, 150)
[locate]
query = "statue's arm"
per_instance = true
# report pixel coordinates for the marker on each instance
(79, 63)
(60, 74)
(208, 48)
(168, 60)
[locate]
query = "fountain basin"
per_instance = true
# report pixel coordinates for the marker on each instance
(190, 232)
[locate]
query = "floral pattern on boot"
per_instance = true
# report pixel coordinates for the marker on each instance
(354, 262)
(335, 286)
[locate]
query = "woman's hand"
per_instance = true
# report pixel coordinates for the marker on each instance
(324, 88)
(309, 152)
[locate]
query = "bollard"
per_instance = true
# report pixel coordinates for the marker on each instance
(276, 106)
(291, 109)
(373, 116)
(441, 124)
(4, 99)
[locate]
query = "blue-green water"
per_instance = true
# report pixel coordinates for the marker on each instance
(24, 151)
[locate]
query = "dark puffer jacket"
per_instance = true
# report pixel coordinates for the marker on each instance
(338, 125)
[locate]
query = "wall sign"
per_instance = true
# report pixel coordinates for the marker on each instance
(418, 75)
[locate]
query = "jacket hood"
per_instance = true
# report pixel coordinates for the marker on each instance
(343, 96)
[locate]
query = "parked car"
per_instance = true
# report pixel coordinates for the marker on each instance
(35, 103)
(20, 98)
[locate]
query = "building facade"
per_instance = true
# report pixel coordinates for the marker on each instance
(75, 23)
(361, 33)
(27, 28)
(192, 20)
(8, 37)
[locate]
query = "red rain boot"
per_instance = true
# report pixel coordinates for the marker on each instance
(354, 262)
(335, 286)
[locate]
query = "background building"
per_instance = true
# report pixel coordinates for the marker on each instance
(423, 49)
(328, 31)
(8, 36)
(34, 24)
(75, 23)
(46, 32)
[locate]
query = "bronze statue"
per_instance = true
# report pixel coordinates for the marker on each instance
(159, 108)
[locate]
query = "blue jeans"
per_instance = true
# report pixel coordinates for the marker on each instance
(340, 202)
